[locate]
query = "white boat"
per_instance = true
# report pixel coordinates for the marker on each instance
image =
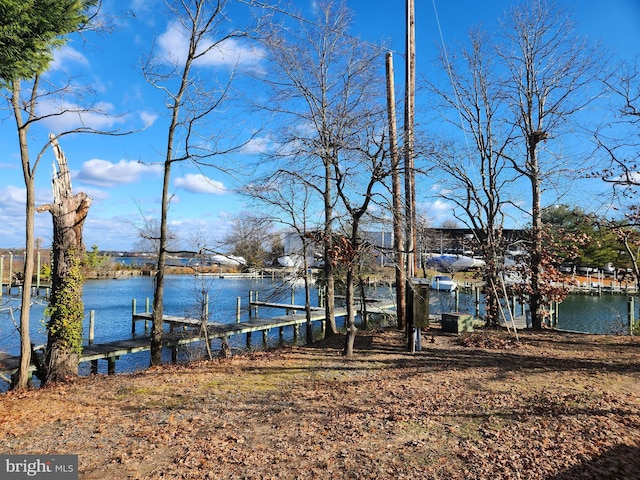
(295, 261)
(443, 283)
(227, 260)
(452, 263)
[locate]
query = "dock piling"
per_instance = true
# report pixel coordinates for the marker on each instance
(133, 316)
(92, 329)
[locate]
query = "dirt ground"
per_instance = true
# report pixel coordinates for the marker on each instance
(481, 406)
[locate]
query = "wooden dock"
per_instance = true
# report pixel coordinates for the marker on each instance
(184, 331)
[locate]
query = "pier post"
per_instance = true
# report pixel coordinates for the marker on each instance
(296, 332)
(92, 324)
(281, 335)
(256, 299)
(111, 365)
(265, 334)
(238, 302)
(133, 316)
(38, 275)
(10, 273)
(477, 300)
(147, 309)
(249, 340)
(631, 310)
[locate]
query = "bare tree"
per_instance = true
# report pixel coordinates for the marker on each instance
(286, 199)
(249, 238)
(477, 174)
(192, 99)
(320, 78)
(356, 180)
(618, 138)
(552, 77)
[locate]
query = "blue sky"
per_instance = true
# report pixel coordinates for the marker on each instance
(123, 174)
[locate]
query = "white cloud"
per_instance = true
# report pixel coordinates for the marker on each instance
(198, 183)
(12, 199)
(65, 55)
(96, 194)
(103, 173)
(64, 116)
(148, 118)
(174, 46)
(259, 145)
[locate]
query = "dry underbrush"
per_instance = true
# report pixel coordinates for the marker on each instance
(554, 406)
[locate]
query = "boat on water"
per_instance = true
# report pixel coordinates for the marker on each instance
(452, 262)
(291, 261)
(228, 260)
(443, 283)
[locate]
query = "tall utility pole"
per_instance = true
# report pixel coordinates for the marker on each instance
(398, 246)
(409, 170)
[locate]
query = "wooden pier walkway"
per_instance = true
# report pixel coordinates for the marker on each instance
(183, 331)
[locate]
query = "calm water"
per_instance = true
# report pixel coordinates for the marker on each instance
(606, 314)
(111, 300)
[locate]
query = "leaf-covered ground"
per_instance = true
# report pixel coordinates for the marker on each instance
(554, 406)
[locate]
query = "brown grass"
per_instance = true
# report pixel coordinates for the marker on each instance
(555, 406)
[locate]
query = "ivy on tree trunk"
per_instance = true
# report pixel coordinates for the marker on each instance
(65, 310)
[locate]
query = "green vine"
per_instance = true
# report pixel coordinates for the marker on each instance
(66, 310)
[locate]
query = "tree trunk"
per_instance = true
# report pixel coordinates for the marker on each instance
(65, 311)
(158, 291)
(330, 297)
(21, 379)
(535, 299)
(351, 314)
(307, 292)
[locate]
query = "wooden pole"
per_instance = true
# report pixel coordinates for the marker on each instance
(147, 309)
(38, 275)
(397, 196)
(10, 272)
(92, 323)
(410, 213)
(133, 316)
